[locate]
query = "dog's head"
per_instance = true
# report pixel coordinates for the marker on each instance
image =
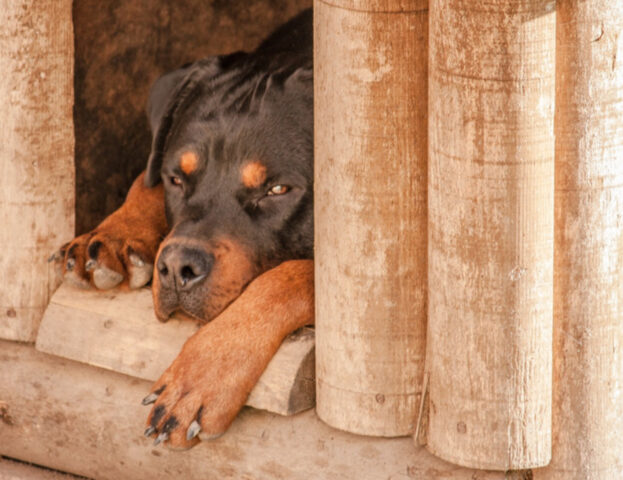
(233, 146)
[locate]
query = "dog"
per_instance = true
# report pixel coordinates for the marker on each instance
(221, 223)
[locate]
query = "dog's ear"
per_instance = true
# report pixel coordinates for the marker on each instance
(301, 82)
(291, 93)
(161, 92)
(169, 96)
(289, 89)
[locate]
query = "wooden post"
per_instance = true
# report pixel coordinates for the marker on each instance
(588, 281)
(370, 75)
(491, 192)
(36, 156)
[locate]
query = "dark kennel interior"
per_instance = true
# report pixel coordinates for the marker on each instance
(121, 47)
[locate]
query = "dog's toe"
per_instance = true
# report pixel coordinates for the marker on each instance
(105, 278)
(140, 271)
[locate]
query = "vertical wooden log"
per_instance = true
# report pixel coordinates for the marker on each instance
(36, 156)
(588, 280)
(370, 199)
(491, 192)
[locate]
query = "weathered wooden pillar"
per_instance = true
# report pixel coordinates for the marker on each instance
(491, 212)
(370, 78)
(588, 281)
(36, 156)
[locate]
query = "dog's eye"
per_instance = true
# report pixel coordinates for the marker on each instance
(176, 181)
(278, 190)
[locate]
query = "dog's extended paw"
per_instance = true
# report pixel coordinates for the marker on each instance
(201, 392)
(122, 248)
(208, 383)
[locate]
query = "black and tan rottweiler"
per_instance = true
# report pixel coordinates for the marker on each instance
(223, 218)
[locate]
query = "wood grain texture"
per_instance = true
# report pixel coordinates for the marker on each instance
(491, 192)
(88, 421)
(379, 6)
(117, 330)
(36, 156)
(370, 204)
(588, 281)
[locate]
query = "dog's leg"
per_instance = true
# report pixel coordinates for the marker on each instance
(122, 248)
(210, 380)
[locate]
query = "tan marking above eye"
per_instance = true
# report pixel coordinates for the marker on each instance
(189, 161)
(253, 174)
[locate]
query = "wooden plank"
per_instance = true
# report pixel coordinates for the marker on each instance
(588, 273)
(78, 418)
(370, 91)
(490, 232)
(36, 156)
(288, 385)
(118, 330)
(111, 329)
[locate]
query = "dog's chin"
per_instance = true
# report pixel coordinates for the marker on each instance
(193, 317)
(197, 307)
(199, 315)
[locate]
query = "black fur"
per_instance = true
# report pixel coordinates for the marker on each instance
(229, 110)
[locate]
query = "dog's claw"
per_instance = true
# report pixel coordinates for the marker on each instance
(193, 430)
(90, 265)
(149, 399)
(149, 431)
(59, 254)
(71, 263)
(163, 437)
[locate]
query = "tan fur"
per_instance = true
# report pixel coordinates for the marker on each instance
(219, 365)
(189, 162)
(253, 174)
(139, 225)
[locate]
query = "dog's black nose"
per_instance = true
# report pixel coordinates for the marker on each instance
(183, 267)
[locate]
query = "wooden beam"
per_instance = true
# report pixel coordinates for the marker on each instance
(36, 156)
(491, 215)
(370, 77)
(588, 275)
(89, 421)
(118, 330)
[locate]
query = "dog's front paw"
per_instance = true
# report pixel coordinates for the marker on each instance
(201, 392)
(210, 380)
(122, 248)
(103, 259)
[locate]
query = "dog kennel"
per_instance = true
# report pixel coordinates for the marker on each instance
(469, 241)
